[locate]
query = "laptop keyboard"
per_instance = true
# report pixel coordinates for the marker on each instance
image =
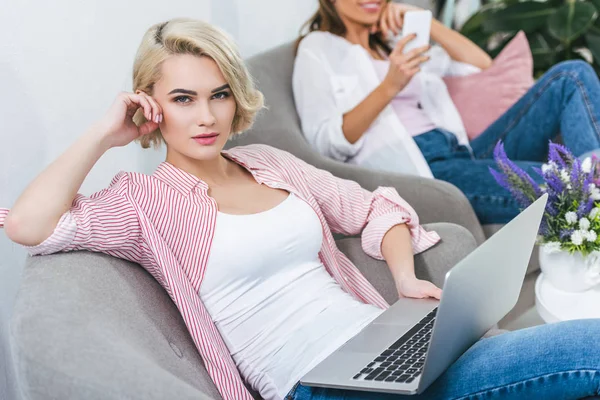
(403, 361)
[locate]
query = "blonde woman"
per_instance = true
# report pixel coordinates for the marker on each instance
(242, 236)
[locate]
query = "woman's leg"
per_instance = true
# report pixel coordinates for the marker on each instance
(565, 100)
(558, 361)
(492, 203)
(453, 163)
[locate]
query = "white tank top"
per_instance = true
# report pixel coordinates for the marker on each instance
(278, 310)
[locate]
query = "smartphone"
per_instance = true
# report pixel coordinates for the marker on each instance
(418, 22)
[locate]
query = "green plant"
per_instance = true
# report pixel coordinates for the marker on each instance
(557, 30)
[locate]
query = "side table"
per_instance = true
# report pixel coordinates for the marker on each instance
(555, 305)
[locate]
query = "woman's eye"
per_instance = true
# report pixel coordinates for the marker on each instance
(221, 95)
(182, 99)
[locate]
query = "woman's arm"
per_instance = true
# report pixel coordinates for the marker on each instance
(402, 69)
(334, 132)
(458, 47)
(38, 210)
(397, 251)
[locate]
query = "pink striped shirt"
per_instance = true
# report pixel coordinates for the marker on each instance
(166, 222)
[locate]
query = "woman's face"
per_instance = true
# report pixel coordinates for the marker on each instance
(198, 107)
(362, 12)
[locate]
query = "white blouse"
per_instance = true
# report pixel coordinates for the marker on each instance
(277, 308)
(332, 76)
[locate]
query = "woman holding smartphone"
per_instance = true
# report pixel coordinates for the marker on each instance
(365, 101)
(242, 239)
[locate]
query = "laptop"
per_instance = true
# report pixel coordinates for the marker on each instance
(414, 341)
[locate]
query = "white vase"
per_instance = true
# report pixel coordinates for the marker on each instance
(570, 272)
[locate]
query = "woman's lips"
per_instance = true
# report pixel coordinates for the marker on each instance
(371, 7)
(206, 140)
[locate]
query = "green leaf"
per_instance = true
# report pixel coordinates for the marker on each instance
(544, 54)
(480, 38)
(527, 16)
(596, 4)
(571, 21)
(474, 23)
(592, 38)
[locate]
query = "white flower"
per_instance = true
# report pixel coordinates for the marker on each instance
(546, 168)
(551, 247)
(591, 236)
(586, 165)
(577, 238)
(591, 186)
(569, 187)
(571, 217)
(564, 176)
(594, 212)
(595, 194)
(584, 224)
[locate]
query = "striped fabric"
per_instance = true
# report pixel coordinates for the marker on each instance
(166, 222)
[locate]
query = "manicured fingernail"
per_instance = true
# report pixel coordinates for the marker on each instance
(156, 119)
(161, 117)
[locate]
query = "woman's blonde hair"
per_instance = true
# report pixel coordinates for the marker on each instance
(188, 36)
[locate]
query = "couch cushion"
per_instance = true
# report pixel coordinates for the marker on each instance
(482, 98)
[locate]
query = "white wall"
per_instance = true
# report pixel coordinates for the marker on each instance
(62, 62)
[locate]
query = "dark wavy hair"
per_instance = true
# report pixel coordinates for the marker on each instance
(326, 19)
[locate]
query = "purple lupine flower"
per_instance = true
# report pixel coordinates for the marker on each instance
(564, 154)
(517, 194)
(565, 233)
(544, 230)
(508, 166)
(554, 155)
(551, 209)
(500, 178)
(587, 180)
(585, 208)
(554, 182)
(576, 174)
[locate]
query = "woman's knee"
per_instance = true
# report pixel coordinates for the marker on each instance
(576, 68)
(574, 342)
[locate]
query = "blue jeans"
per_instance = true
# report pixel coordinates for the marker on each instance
(565, 101)
(557, 361)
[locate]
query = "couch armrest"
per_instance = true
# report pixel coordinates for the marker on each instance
(431, 265)
(90, 326)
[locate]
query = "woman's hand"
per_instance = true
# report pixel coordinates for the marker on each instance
(417, 288)
(118, 125)
(404, 66)
(392, 18)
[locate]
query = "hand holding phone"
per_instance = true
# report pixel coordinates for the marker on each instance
(418, 23)
(408, 55)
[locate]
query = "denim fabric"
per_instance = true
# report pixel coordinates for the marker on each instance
(565, 101)
(557, 361)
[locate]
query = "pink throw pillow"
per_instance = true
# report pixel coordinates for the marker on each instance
(483, 97)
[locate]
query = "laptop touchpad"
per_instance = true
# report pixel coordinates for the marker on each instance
(375, 337)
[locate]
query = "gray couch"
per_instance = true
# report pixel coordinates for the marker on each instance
(90, 326)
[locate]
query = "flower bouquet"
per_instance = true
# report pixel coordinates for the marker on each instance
(569, 232)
